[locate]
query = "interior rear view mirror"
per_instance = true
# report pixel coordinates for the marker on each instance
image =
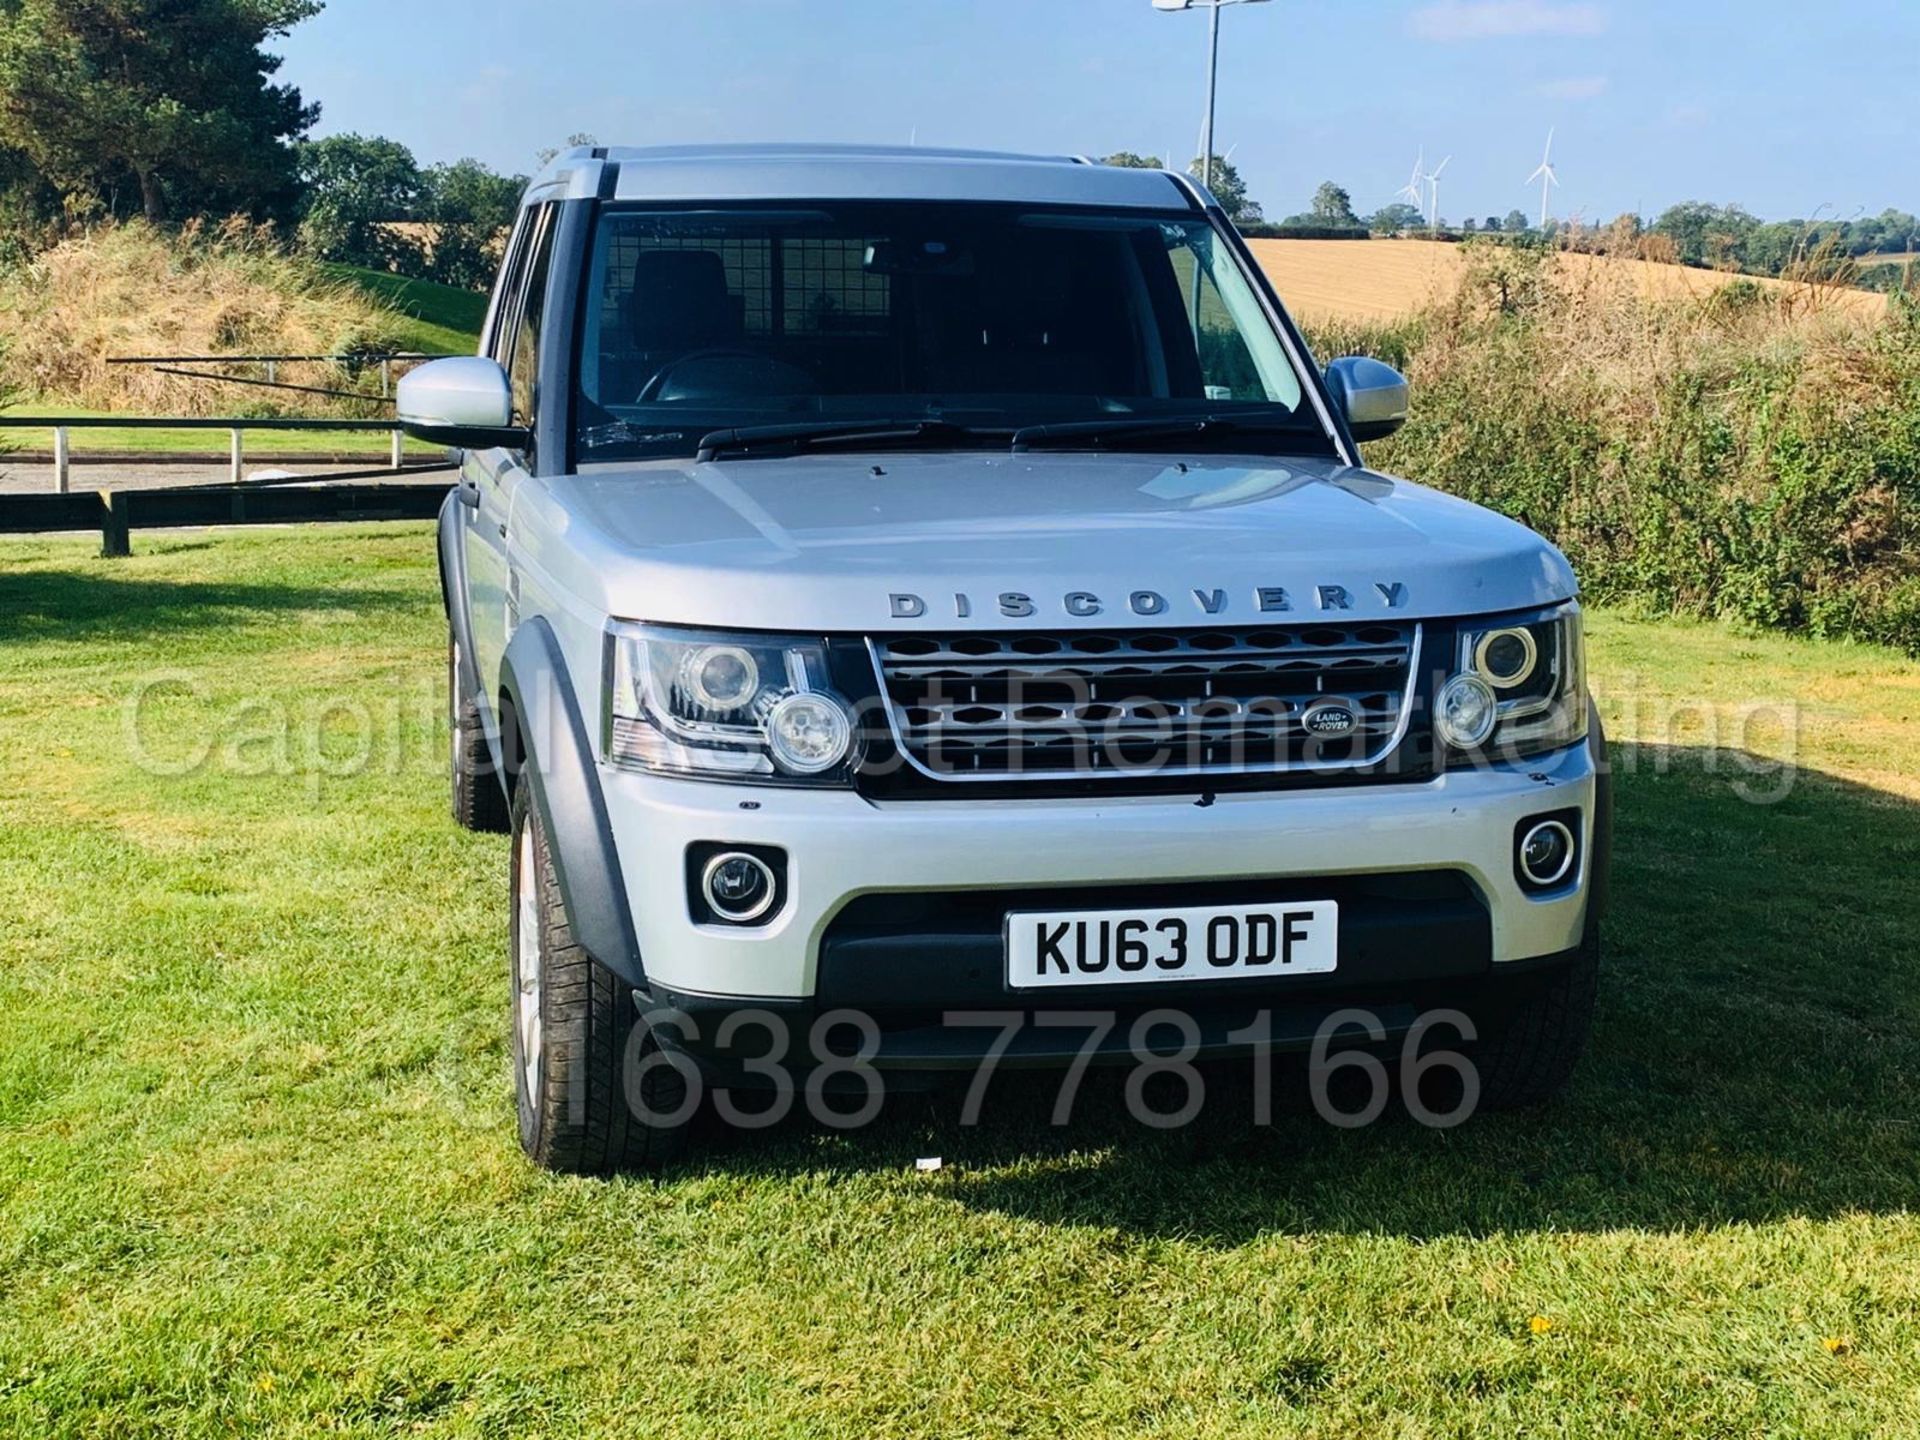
(917, 257)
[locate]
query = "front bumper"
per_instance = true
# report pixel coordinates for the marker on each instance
(842, 848)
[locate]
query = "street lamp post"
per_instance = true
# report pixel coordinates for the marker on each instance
(1213, 7)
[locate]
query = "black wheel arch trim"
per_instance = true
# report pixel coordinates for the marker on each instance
(453, 592)
(549, 749)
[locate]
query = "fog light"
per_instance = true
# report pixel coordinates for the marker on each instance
(739, 886)
(1546, 853)
(1466, 712)
(808, 733)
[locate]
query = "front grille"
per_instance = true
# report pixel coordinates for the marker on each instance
(1071, 704)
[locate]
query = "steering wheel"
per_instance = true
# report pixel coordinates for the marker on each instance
(651, 390)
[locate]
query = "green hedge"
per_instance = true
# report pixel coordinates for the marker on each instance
(1735, 459)
(1265, 230)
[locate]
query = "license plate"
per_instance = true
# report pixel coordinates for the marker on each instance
(1195, 942)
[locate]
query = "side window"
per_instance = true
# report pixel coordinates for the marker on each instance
(1240, 357)
(507, 291)
(524, 365)
(1227, 370)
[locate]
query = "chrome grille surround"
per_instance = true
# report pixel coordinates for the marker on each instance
(1069, 704)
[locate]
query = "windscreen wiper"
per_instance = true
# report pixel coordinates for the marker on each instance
(1135, 429)
(805, 435)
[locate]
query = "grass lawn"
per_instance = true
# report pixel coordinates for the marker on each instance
(258, 1171)
(441, 318)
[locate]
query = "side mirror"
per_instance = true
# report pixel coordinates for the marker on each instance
(463, 400)
(1371, 395)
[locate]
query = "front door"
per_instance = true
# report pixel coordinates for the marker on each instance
(494, 474)
(491, 476)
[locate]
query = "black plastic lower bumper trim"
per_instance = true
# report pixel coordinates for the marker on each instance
(942, 951)
(1280, 1019)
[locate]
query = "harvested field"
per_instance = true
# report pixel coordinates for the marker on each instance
(1371, 280)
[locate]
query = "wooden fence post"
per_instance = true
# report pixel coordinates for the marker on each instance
(60, 459)
(234, 463)
(115, 539)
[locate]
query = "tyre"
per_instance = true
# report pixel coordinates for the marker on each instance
(595, 1092)
(1527, 1056)
(479, 801)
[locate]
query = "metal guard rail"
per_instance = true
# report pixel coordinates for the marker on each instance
(61, 424)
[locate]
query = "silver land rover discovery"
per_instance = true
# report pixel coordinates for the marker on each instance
(894, 589)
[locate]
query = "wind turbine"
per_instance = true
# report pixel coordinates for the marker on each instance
(1415, 196)
(1433, 195)
(1545, 175)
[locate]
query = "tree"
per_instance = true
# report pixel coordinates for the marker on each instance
(1333, 207)
(1516, 223)
(1511, 279)
(176, 94)
(470, 208)
(1893, 231)
(25, 195)
(357, 185)
(1771, 248)
(1492, 223)
(1702, 232)
(1127, 160)
(1229, 189)
(1393, 219)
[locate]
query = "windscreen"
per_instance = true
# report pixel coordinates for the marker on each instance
(992, 317)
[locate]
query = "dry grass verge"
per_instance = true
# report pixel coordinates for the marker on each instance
(132, 290)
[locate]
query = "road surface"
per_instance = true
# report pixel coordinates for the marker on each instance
(36, 477)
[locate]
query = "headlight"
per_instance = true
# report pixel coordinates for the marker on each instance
(1467, 712)
(718, 678)
(1506, 658)
(739, 706)
(808, 733)
(1535, 669)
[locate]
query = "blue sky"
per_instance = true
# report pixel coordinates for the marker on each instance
(1784, 107)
